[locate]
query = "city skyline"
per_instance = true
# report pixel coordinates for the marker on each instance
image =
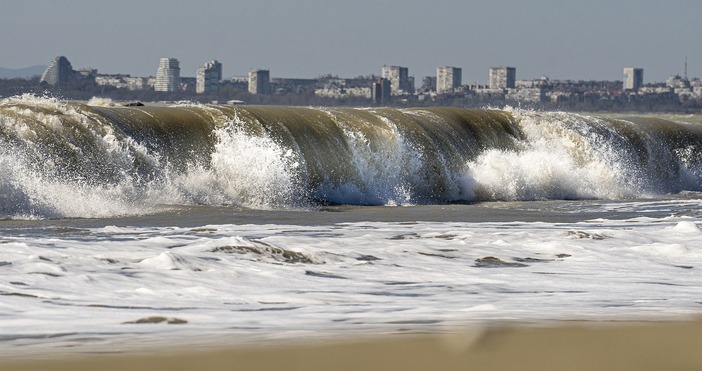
(584, 41)
(499, 77)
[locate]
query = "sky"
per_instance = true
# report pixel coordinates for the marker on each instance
(561, 39)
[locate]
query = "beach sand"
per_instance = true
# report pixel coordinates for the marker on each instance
(576, 346)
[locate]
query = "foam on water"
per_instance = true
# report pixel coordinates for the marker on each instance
(89, 288)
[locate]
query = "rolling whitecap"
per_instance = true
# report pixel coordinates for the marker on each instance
(69, 159)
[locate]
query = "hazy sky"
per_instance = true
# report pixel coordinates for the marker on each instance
(562, 39)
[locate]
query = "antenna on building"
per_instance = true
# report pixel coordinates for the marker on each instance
(686, 68)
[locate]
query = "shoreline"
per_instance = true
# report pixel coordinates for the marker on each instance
(575, 346)
(478, 212)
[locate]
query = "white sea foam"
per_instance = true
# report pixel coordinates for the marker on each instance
(253, 282)
(101, 102)
(244, 170)
(255, 171)
(559, 159)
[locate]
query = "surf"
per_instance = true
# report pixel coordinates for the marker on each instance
(70, 159)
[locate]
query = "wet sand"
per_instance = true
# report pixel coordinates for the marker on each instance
(577, 346)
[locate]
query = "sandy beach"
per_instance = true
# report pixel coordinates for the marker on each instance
(577, 346)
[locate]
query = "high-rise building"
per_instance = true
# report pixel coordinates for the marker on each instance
(447, 79)
(502, 77)
(167, 75)
(209, 77)
(400, 82)
(59, 71)
(381, 90)
(429, 83)
(633, 78)
(259, 81)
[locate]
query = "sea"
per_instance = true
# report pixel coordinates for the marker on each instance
(124, 228)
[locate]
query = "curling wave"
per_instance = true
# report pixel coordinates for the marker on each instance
(67, 159)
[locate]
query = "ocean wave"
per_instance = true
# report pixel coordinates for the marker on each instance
(68, 159)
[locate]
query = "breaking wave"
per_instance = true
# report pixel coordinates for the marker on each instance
(68, 159)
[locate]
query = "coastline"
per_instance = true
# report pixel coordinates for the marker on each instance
(574, 346)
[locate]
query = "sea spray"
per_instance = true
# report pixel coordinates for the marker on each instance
(562, 157)
(571, 156)
(255, 171)
(68, 159)
(59, 160)
(384, 160)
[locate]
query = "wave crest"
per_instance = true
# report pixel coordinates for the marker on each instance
(66, 159)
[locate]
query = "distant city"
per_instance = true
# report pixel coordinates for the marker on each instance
(392, 87)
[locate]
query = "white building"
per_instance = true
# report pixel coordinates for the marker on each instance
(502, 77)
(122, 82)
(167, 75)
(447, 79)
(136, 83)
(677, 82)
(633, 78)
(111, 80)
(59, 71)
(400, 82)
(209, 77)
(342, 91)
(259, 81)
(537, 94)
